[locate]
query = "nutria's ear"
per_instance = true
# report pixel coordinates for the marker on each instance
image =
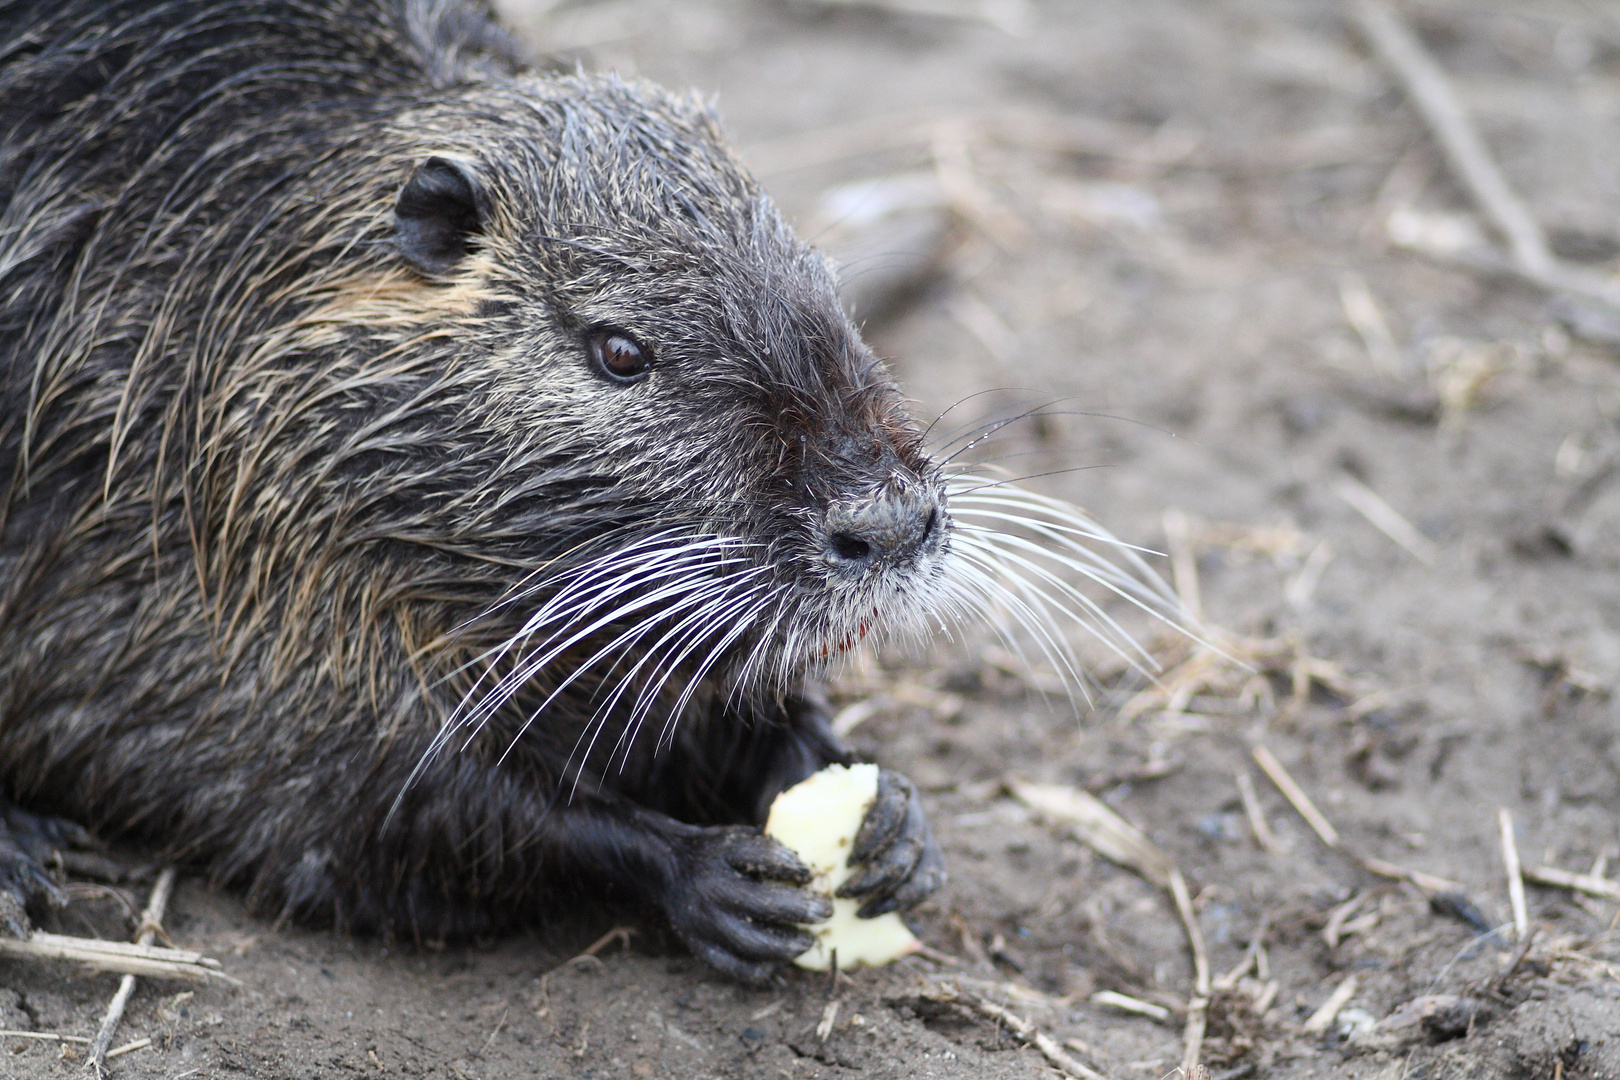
(436, 215)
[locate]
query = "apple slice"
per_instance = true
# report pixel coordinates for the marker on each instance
(818, 819)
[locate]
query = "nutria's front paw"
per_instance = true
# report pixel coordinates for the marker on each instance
(898, 862)
(734, 904)
(26, 842)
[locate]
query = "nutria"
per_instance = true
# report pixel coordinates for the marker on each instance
(430, 483)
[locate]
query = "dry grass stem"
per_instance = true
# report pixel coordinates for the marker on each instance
(46, 1036)
(1255, 813)
(1095, 824)
(1183, 563)
(1301, 588)
(1362, 311)
(1431, 93)
(1197, 1008)
(138, 1044)
(1254, 958)
(1385, 518)
(1028, 1033)
(1429, 884)
(829, 1017)
(1009, 17)
(1200, 676)
(1125, 1003)
(1337, 918)
(1602, 888)
(117, 957)
(1321, 1018)
(1296, 796)
(1530, 256)
(1510, 862)
(150, 925)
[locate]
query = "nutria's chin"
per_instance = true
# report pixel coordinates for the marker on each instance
(427, 481)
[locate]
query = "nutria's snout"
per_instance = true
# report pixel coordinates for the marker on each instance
(903, 520)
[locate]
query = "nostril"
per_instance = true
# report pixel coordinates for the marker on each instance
(928, 526)
(850, 548)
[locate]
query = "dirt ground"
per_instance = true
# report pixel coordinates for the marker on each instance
(1169, 217)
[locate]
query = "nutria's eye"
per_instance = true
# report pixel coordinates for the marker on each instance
(617, 357)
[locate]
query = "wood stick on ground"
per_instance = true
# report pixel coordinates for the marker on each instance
(138, 1044)
(151, 923)
(1399, 48)
(1253, 957)
(1385, 518)
(1183, 563)
(1256, 813)
(121, 957)
(1337, 918)
(1602, 888)
(1113, 999)
(1321, 1018)
(1510, 862)
(1198, 1007)
(1097, 825)
(1296, 796)
(1431, 93)
(1361, 310)
(1429, 884)
(1027, 1032)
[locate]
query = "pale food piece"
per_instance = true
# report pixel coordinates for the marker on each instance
(818, 819)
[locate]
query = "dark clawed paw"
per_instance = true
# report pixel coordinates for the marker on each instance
(734, 904)
(27, 841)
(899, 862)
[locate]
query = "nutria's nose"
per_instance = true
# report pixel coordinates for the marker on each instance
(888, 528)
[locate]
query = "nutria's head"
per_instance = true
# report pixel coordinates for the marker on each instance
(660, 440)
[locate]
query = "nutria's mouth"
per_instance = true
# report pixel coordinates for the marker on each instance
(849, 641)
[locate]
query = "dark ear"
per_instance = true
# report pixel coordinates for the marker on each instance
(436, 215)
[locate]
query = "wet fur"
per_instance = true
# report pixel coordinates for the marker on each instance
(266, 485)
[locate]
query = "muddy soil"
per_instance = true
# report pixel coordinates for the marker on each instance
(1168, 220)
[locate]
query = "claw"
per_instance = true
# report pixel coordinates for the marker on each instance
(902, 863)
(734, 905)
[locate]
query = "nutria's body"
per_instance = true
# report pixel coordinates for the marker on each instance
(425, 484)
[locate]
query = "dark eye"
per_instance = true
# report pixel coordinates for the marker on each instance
(618, 357)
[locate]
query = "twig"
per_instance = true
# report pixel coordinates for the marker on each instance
(1125, 1003)
(1011, 19)
(1337, 918)
(1095, 824)
(151, 922)
(1256, 813)
(1321, 1018)
(48, 1036)
(1510, 862)
(618, 933)
(138, 1044)
(829, 1017)
(1367, 318)
(1385, 518)
(1428, 884)
(1602, 888)
(1398, 47)
(1198, 1007)
(1029, 1033)
(117, 956)
(1431, 93)
(1296, 796)
(1251, 957)
(1183, 563)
